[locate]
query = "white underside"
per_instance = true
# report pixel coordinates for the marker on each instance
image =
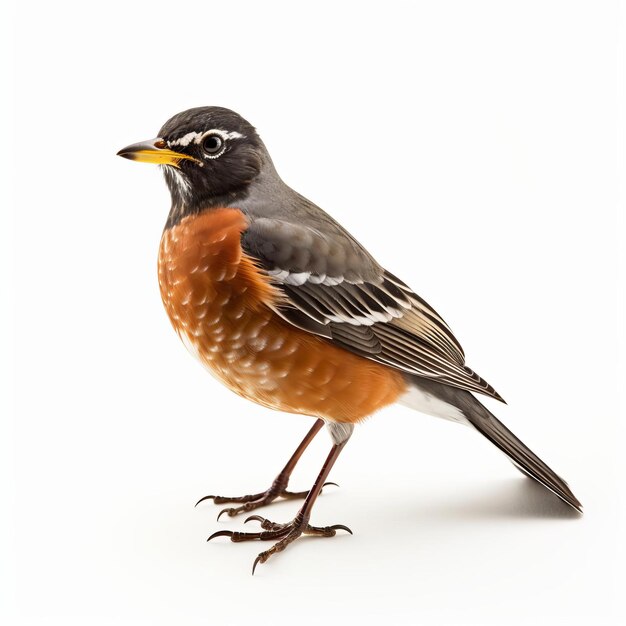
(426, 403)
(339, 431)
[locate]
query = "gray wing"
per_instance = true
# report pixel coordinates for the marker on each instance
(335, 289)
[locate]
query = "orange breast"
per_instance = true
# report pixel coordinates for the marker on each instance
(216, 299)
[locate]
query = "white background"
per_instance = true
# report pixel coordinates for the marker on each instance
(476, 148)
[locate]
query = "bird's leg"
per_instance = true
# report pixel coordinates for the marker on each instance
(286, 533)
(278, 488)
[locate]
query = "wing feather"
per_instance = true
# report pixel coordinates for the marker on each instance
(334, 289)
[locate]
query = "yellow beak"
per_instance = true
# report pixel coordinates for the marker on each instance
(154, 151)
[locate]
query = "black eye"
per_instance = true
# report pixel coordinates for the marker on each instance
(212, 145)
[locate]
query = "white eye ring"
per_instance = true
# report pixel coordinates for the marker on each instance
(213, 144)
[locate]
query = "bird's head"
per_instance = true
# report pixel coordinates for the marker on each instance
(209, 156)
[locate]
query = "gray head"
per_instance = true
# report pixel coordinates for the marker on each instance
(210, 156)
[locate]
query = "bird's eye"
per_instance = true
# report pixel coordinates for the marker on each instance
(213, 145)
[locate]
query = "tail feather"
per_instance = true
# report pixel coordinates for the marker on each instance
(521, 456)
(459, 405)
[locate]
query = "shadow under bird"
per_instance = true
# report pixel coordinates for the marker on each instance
(288, 310)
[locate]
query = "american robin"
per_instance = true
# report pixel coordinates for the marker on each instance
(288, 310)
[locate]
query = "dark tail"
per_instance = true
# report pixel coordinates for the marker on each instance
(523, 458)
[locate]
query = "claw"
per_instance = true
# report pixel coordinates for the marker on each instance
(269, 525)
(237, 537)
(265, 523)
(229, 511)
(256, 500)
(341, 527)
(285, 533)
(221, 533)
(202, 500)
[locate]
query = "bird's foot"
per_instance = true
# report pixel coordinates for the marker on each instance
(285, 533)
(256, 500)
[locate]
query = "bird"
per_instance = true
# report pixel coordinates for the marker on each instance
(287, 309)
